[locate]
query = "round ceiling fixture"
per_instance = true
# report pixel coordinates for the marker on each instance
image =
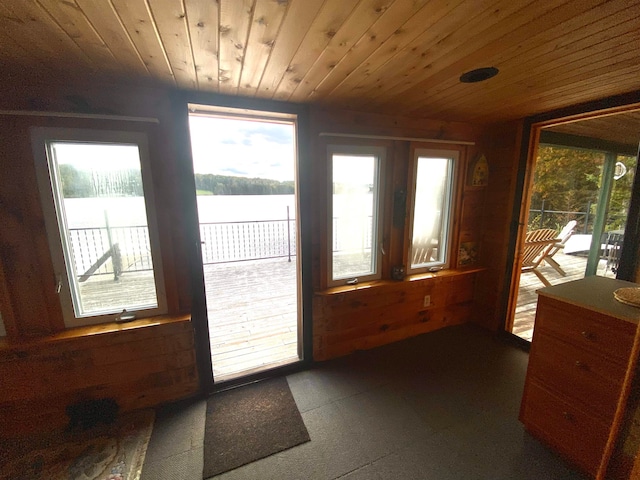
(479, 75)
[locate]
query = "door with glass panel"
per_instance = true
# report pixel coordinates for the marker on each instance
(245, 171)
(582, 193)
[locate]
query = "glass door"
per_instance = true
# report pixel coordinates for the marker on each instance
(581, 196)
(245, 176)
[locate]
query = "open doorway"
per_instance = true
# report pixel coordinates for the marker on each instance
(245, 176)
(575, 208)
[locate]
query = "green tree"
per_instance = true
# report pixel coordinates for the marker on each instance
(229, 185)
(568, 180)
(75, 183)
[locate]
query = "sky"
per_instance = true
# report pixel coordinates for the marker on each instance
(242, 148)
(98, 157)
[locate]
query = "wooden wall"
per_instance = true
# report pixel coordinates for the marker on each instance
(37, 345)
(346, 319)
(43, 366)
(501, 144)
(141, 364)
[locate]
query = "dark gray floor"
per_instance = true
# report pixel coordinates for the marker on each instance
(440, 406)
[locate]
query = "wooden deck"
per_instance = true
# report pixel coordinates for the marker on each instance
(253, 321)
(573, 265)
(252, 309)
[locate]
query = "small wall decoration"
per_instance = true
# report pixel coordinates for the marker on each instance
(468, 254)
(480, 172)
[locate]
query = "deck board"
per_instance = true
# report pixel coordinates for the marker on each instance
(252, 310)
(574, 267)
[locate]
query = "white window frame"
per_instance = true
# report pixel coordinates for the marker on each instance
(377, 236)
(41, 137)
(448, 211)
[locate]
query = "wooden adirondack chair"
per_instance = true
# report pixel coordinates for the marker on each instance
(562, 238)
(536, 244)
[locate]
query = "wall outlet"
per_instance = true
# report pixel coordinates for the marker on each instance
(427, 301)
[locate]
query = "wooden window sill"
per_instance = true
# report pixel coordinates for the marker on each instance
(409, 278)
(9, 344)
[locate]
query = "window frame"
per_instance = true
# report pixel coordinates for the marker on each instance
(41, 138)
(455, 156)
(380, 154)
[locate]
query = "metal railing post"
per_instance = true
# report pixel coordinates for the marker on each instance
(586, 217)
(288, 233)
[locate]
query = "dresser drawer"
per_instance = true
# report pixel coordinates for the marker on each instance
(586, 329)
(578, 374)
(578, 436)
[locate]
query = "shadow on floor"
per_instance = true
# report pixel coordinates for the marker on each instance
(440, 406)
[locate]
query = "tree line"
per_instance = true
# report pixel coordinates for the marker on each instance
(228, 185)
(96, 183)
(123, 183)
(568, 179)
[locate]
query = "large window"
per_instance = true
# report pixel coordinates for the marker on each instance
(431, 209)
(96, 195)
(354, 213)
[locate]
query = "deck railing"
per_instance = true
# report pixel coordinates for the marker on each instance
(222, 242)
(90, 244)
(239, 241)
(556, 219)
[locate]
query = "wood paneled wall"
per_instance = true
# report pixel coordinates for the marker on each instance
(44, 367)
(501, 144)
(343, 320)
(139, 365)
(346, 319)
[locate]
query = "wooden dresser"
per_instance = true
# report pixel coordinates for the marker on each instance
(580, 365)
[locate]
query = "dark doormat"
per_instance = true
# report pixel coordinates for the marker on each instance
(249, 423)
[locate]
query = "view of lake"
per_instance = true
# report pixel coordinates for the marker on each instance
(130, 211)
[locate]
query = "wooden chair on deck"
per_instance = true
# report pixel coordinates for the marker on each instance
(536, 245)
(563, 236)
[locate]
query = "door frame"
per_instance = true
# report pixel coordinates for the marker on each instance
(529, 142)
(186, 178)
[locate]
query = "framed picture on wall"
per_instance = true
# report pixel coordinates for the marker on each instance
(479, 173)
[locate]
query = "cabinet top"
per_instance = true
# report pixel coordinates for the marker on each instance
(595, 293)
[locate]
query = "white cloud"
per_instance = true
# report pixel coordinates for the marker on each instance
(242, 148)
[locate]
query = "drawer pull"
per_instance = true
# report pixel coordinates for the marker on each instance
(567, 416)
(587, 335)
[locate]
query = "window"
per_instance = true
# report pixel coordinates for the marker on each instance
(354, 213)
(97, 200)
(431, 210)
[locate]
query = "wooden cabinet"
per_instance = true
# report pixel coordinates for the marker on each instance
(581, 361)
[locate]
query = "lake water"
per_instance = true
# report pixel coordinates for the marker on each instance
(130, 211)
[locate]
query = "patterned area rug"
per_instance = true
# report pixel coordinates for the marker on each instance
(109, 452)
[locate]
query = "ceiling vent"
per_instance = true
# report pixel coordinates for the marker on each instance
(479, 75)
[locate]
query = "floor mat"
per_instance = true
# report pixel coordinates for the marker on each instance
(249, 423)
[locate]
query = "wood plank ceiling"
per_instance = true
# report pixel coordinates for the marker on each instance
(389, 56)
(621, 128)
